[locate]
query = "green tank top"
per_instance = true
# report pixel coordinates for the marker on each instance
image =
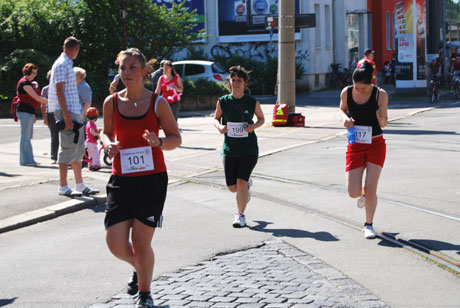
(237, 111)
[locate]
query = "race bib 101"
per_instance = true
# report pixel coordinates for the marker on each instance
(363, 134)
(136, 160)
(236, 129)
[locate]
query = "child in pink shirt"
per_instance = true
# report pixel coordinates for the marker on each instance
(92, 136)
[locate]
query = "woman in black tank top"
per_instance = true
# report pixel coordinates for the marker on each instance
(363, 108)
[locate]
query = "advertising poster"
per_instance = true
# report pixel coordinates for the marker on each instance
(190, 5)
(420, 28)
(410, 23)
(244, 20)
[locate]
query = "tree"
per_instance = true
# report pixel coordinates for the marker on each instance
(42, 26)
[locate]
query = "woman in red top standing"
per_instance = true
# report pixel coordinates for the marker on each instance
(170, 87)
(29, 101)
(136, 191)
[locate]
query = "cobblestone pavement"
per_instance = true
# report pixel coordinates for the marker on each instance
(275, 275)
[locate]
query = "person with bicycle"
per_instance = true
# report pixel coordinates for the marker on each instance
(92, 136)
(455, 70)
(434, 71)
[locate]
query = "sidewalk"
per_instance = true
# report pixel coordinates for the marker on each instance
(291, 271)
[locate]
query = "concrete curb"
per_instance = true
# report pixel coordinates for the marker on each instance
(50, 212)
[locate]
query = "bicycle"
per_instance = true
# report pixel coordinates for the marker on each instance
(456, 84)
(339, 79)
(433, 94)
(87, 159)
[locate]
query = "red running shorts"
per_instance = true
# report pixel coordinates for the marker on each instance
(359, 154)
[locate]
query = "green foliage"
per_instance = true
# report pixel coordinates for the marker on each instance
(43, 25)
(11, 68)
(197, 53)
(204, 86)
(262, 79)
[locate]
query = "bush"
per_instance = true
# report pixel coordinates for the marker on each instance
(262, 79)
(11, 69)
(203, 86)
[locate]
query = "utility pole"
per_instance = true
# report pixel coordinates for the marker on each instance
(443, 38)
(286, 54)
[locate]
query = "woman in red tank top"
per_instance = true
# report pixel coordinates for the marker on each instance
(170, 87)
(136, 190)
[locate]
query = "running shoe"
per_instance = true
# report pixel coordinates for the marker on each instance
(67, 191)
(239, 221)
(144, 302)
(369, 232)
(361, 201)
(132, 284)
(87, 191)
(249, 189)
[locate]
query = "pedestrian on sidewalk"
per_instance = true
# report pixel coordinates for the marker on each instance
(136, 191)
(363, 108)
(85, 94)
(50, 121)
(65, 103)
(234, 118)
(30, 100)
(369, 55)
(92, 136)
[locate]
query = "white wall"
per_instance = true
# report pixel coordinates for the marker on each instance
(312, 50)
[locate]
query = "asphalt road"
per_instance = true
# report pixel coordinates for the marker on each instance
(298, 182)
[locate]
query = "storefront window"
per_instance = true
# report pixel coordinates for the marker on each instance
(353, 39)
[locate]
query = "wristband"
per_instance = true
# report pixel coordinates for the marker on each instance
(66, 117)
(161, 142)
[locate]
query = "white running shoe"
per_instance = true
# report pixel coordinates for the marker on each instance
(239, 221)
(361, 201)
(369, 232)
(249, 189)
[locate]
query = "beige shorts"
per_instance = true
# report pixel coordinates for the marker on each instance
(69, 151)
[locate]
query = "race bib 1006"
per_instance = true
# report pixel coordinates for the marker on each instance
(236, 129)
(363, 134)
(136, 160)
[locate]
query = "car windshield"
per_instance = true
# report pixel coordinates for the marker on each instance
(217, 68)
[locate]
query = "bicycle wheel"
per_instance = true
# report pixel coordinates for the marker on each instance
(431, 95)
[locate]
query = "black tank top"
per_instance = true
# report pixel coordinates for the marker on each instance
(365, 114)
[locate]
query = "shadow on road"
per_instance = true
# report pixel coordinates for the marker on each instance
(7, 301)
(418, 132)
(293, 233)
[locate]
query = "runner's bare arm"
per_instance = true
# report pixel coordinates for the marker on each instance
(343, 110)
(217, 119)
(382, 112)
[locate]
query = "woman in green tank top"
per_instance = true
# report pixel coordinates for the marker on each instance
(234, 118)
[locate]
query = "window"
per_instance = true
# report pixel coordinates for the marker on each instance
(179, 68)
(388, 27)
(327, 25)
(193, 69)
(217, 68)
(318, 26)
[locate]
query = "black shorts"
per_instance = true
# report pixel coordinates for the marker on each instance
(140, 197)
(238, 167)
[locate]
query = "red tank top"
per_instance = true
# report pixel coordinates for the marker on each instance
(129, 131)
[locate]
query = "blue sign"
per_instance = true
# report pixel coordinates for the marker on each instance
(260, 6)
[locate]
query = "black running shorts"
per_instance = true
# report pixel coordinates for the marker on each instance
(238, 167)
(139, 197)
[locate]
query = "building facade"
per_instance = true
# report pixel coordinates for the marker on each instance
(342, 33)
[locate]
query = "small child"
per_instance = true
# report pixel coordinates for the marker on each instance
(92, 136)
